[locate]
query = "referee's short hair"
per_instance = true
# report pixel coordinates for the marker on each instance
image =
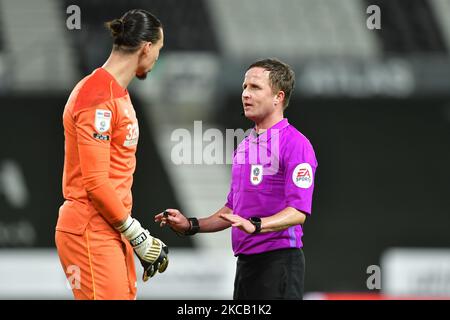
(281, 76)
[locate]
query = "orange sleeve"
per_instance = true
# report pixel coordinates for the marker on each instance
(94, 128)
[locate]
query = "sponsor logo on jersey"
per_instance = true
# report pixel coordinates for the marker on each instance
(129, 143)
(303, 175)
(101, 136)
(102, 120)
(256, 174)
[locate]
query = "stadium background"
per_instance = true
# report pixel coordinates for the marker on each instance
(374, 103)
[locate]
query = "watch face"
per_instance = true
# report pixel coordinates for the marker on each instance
(257, 223)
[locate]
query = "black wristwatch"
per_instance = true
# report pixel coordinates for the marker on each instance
(256, 221)
(195, 227)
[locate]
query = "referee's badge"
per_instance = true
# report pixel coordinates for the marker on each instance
(102, 120)
(256, 174)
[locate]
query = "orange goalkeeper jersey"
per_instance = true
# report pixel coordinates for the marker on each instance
(101, 135)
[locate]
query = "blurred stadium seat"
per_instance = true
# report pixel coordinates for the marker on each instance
(186, 25)
(292, 28)
(440, 8)
(411, 27)
(38, 55)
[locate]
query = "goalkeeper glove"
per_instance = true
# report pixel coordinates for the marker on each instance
(152, 252)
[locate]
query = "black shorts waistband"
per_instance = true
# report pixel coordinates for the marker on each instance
(272, 253)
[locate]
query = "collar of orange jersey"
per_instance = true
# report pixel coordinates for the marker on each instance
(269, 133)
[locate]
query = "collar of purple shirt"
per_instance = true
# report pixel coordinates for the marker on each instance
(267, 135)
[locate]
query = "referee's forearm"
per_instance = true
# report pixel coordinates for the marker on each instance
(284, 219)
(214, 222)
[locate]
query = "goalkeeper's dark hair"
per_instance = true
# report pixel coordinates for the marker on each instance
(281, 76)
(134, 27)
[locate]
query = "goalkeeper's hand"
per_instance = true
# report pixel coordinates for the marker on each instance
(152, 252)
(155, 258)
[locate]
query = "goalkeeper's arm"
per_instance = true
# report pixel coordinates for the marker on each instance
(152, 252)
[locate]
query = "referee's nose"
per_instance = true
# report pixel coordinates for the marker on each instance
(245, 94)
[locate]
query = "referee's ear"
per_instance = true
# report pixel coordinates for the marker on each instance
(279, 98)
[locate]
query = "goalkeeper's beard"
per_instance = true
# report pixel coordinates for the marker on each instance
(142, 76)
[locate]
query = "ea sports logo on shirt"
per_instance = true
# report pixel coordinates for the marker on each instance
(256, 174)
(303, 175)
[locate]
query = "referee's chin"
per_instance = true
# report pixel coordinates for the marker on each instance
(248, 115)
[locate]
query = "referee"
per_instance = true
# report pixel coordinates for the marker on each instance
(271, 192)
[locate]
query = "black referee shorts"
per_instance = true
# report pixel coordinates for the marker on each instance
(270, 275)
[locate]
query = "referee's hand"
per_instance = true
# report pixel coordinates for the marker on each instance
(239, 222)
(175, 219)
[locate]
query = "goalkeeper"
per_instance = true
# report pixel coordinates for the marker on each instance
(95, 233)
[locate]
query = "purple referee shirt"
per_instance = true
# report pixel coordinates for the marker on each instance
(270, 172)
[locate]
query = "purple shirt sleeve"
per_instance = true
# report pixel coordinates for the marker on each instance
(300, 168)
(229, 202)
